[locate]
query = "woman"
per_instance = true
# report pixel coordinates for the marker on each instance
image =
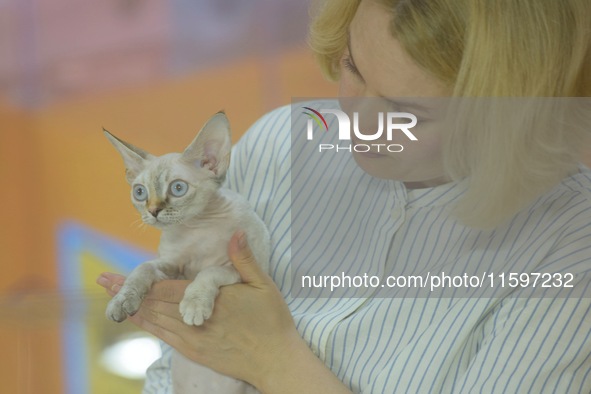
(513, 199)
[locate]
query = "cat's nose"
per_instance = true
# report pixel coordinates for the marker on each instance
(155, 211)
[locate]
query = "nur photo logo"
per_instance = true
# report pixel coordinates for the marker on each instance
(388, 123)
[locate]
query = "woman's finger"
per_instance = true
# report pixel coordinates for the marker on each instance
(244, 261)
(163, 327)
(113, 278)
(152, 308)
(168, 290)
(111, 282)
(171, 330)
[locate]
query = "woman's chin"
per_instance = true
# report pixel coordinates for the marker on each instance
(375, 164)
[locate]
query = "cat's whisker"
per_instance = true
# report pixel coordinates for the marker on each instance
(137, 222)
(140, 224)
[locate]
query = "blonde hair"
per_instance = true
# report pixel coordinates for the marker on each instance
(484, 49)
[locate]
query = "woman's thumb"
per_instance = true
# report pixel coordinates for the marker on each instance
(243, 259)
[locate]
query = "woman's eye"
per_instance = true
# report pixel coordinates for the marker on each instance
(347, 62)
(178, 188)
(139, 193)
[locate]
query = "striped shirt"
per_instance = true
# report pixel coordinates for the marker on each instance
(391, 340)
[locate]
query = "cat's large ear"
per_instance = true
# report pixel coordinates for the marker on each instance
(133, 157)
(211, 148)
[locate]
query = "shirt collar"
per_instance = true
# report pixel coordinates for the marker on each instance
(429, 196)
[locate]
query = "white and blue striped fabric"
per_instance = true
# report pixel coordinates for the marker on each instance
(390, 341)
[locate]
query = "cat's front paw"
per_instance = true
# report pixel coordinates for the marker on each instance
(125, 303)
(195, 310)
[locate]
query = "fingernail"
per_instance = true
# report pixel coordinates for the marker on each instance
(115, 288)
(242, 240)
(103, 281)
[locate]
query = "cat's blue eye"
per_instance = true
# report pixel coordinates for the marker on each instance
(140, 193)
(178, 188)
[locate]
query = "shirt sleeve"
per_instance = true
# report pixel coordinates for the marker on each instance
(158, 378)
(540, 341)
(538, 346)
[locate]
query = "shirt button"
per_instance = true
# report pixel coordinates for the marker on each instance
(397, 212)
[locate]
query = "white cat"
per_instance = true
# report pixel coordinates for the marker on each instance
(181, 194)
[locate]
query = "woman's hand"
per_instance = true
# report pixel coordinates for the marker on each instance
(250, 330)
(251, 335)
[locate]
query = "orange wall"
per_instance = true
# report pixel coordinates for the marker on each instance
(17, 174)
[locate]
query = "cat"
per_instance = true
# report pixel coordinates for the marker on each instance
(182, 195)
